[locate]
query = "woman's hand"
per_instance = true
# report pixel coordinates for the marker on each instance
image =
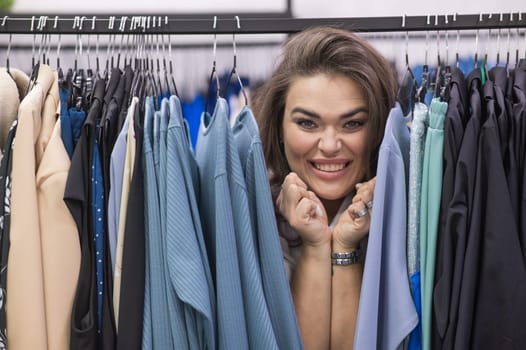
(303, 211)
(355, 221)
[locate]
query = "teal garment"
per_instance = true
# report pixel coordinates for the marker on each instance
(430, 210)
(175, 306)
(189, 272)
(156, 330)
(266, 237)
(416, 158)
(229, 237)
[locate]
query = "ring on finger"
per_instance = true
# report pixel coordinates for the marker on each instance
(362, 212)
(369, 204)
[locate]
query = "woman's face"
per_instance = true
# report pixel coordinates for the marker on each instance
(325, 133)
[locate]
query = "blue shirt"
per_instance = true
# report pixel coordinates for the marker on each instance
(386, 313)
(266, 237)
(189, 270)
(215, 204)
(156, 330)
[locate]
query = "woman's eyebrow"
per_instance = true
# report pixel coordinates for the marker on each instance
(317, 116)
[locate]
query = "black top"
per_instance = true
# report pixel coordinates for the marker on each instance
(456, 118)
(447, 290)
(6, 164)
(492, 299)
(77, 196)
(133, 258)
(519, 116)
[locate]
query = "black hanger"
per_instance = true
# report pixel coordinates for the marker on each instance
(407, 89)
(234, 72)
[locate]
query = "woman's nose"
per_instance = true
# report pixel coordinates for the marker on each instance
(329, 142)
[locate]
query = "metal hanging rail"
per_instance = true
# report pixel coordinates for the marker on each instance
(247, 24)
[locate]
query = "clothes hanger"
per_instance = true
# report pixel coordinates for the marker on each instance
(518, 44)
(422, 90)
(213, 73)
(170, 62)
(407, 89)
(234, 72)
(8, 48)
(36, 64)
(508, 47)
(439, 71)
(158, 65)
(445, 86)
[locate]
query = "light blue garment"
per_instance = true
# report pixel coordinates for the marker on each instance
(189, 271)
(157, 331)
(215, 206)
(175, 306)
(416, 161)
(430, 210)
(266, 237)
(118, 156)
(229, 237)
(386, 313)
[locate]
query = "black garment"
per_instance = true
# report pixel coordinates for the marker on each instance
(506, 132)
(126, 101)
(6, 164)
(454, 123)
(107, 131)
(111, 86)
(133, 260)
(519, 115)
(108, 134)
(77, 196)
(447, 289)
(492, 301)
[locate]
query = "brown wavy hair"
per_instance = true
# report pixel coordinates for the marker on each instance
(324, 50)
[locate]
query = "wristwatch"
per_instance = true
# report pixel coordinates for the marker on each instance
(347, 258)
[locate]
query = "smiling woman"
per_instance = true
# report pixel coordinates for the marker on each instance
(322, 117)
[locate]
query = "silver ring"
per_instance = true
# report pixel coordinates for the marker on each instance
(362, 212)
(369, 204)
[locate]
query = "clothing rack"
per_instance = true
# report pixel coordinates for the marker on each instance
(245, 23)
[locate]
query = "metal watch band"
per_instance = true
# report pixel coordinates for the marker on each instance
(346, 258)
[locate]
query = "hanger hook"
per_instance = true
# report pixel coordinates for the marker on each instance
(55, 25)
(427, 40)
(215, 39)
(518, 43)
(458, 40)
(4, 21)
(446, 21)
(406, 42)
(498, 39)
(234, 69)
(508, 42)
(438, 40)
(477, 42)
(81, 22)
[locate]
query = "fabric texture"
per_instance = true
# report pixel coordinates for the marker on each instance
(386, 313)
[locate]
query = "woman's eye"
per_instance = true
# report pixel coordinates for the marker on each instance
(353, 124)
(306, 123)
